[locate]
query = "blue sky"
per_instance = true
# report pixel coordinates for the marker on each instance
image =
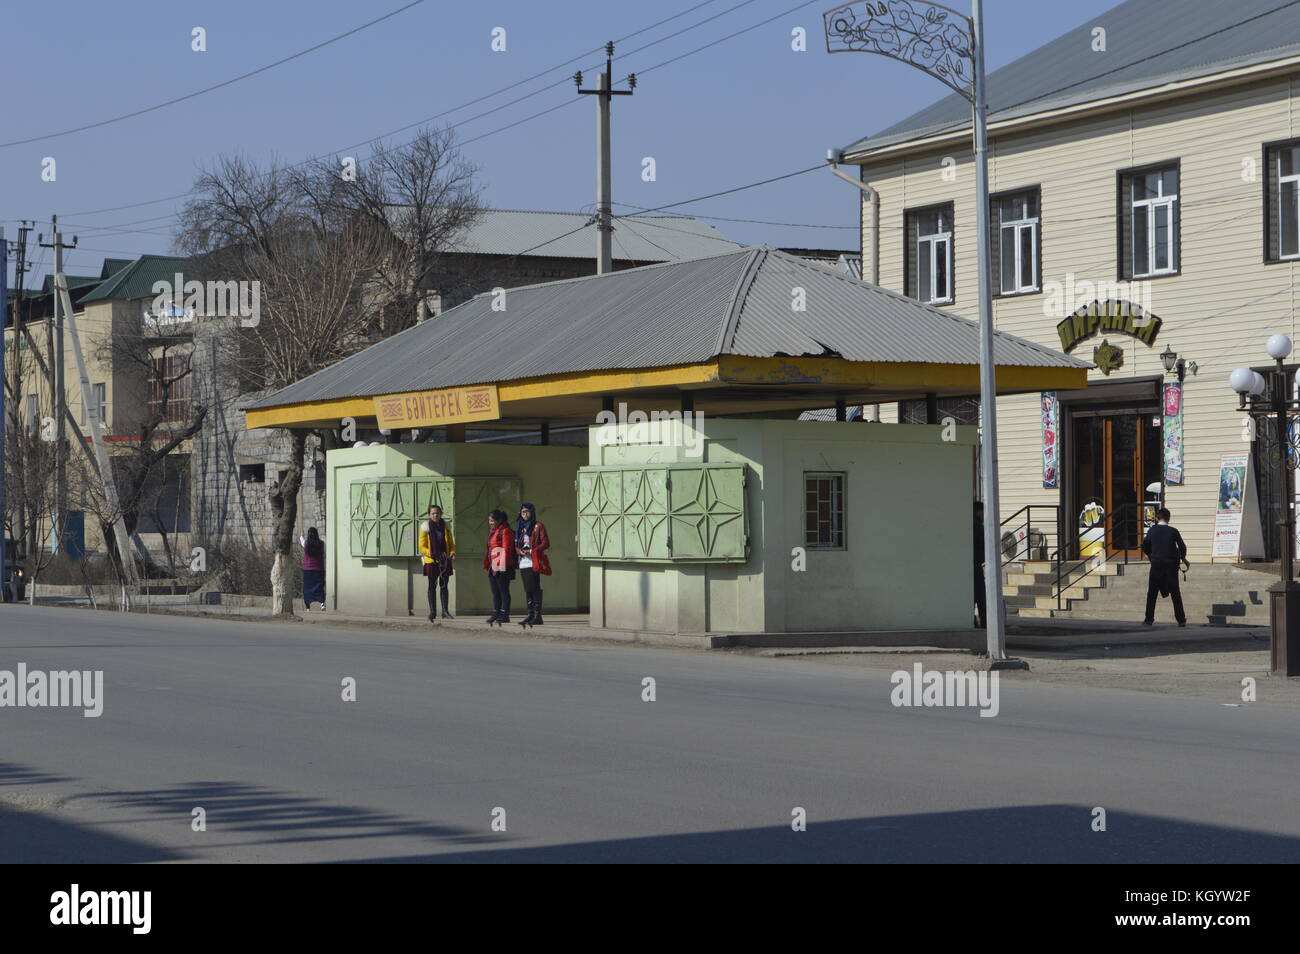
(746, 109)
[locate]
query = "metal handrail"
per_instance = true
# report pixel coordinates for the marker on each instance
(1031, 524)
(1108, 523)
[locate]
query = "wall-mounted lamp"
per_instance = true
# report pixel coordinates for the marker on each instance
(1169, 358)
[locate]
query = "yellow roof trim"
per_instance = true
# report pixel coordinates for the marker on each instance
(725, 370)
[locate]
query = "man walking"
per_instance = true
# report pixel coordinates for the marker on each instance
(1165, 548)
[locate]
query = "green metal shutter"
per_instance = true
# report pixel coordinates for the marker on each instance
(600, 514)
(685, 513)
(707, 512)
(363, 497)
(645, 514)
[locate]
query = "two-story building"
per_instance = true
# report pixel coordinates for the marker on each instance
(1144, 174)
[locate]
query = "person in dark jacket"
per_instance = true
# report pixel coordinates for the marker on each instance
(531, 542)
(500, 559)
(1165, 548)
(981, 599)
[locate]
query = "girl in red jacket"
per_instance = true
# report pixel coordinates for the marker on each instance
(531, 543)
(500, 560)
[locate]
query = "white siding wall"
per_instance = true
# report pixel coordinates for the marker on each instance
(1217, 312)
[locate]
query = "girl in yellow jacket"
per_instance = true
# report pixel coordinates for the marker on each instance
(438, 549)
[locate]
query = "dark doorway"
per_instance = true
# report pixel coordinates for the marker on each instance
(1116, 455)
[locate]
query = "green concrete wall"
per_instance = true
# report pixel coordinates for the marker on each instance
(907, 559)
(394, 586)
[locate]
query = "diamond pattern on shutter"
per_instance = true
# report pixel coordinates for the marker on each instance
(363, 534)
(685, 513)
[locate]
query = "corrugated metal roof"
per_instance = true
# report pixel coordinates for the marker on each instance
(675, 313)
(1148, 43)
(135, 281)
(637, 238)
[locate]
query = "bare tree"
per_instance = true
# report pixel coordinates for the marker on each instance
(29, 482)
(157, 355)
(333, 274)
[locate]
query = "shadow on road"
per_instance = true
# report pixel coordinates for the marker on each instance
(1031, 834)
(282, 817)
(33, 832)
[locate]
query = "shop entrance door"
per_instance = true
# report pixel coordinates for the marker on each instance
(1117, 455)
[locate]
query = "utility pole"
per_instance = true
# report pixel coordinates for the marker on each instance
(22, 535)
(604, 197)
(950, 47)
(60, 395)
(4, 381)
(103, 463)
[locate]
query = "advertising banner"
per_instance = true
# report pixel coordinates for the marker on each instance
(1051, 431)
(1172, 433)
(1237, 531)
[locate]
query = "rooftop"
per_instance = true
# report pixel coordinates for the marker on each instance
(739, 305)
(1148, 44)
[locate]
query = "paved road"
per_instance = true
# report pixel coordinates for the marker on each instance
(246, 720)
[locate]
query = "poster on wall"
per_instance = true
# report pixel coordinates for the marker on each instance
(1051, 418)
(1172, 433)
(1237, 532)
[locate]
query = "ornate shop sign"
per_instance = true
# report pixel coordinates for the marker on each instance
(1114, 316)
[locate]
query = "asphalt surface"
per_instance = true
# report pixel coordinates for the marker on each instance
(247, 721)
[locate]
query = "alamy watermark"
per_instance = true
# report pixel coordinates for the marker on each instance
(1066, 298)
(182, 301)
(946, 688)
(75, 906)
(58, 688)
(656, 428)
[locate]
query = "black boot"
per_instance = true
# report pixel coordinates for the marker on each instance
(446, 614)
(532, 612)
(537, 609)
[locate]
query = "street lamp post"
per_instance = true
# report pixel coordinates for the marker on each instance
(1284, 595)
(949, 46)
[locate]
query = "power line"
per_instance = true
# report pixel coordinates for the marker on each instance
(723, 218)
(730, 36)
(714, 195)
(689, 10)
(209, 89)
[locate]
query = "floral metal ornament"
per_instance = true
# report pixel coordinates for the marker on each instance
(929, 36)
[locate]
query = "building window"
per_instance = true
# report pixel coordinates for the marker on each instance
(1149, 220)
(252, 473)
(1282, 201)
(929, 254)
(1015, 253)
(170, 388)
(33, 412)
(98, 404)
(824, 511)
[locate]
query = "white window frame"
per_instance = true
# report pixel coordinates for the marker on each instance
(928, 246)
(1282, 183)
(99, 401)
(1150, 208)
(1025, 222)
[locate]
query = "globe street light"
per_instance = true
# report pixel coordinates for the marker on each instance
(1284, 596)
